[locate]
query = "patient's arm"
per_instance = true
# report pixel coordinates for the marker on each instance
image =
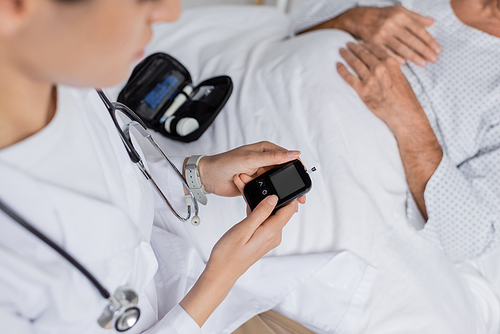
(462, 196)
(400, 32)
(385, 90)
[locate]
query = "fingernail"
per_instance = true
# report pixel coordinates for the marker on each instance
(421, 62)
(273, 199)
(438, 49)
(293, 153)
(434, 59)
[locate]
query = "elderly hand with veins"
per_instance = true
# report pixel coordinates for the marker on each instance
(398, 31)
(386, 92)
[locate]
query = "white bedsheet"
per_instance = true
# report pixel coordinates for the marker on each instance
(289, 92)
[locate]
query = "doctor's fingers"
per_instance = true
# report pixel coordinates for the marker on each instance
(270, 231)
(267, 146)
(240, 182)
(259, 215)
(269, 154)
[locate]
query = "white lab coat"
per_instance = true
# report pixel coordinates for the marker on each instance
(74, 181)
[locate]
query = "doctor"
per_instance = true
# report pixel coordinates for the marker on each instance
(64, 169)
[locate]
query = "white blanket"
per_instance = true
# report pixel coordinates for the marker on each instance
(288, 91)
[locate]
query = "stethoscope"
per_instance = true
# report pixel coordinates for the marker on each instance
(138, 124)
(122, 311)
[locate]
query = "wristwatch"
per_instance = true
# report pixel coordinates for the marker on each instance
(193, 179)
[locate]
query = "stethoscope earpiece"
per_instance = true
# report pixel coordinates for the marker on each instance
(122, 312)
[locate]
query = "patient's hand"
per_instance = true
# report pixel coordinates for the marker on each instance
(385, 90)
(381, 84)
(399, 32)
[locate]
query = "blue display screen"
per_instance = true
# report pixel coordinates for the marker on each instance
(160, 91)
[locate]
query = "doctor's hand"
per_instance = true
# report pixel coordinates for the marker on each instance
(252, 238)
(399, 32)
(217, 172)
(238, 249)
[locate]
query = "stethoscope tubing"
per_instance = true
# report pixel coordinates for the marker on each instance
(136, 159)
(139, 125)
(102, 290)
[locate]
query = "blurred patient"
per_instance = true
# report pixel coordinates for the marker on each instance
(443, 107)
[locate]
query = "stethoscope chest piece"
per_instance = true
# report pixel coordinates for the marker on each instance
(196, 221)
(122, 311)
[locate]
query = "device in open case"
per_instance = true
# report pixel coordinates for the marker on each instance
(161, 92)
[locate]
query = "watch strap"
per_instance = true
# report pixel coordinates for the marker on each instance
(193, 179)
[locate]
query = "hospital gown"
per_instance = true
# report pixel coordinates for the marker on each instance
(461, 97)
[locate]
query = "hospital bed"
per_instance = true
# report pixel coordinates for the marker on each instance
(280, 4)
(287, 90)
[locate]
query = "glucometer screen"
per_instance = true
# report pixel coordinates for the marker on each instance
(162, 89)
(287, 181)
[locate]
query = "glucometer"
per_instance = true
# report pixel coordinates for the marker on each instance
(161, 93)
(288, 181)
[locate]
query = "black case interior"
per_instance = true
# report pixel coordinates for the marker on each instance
(161, 73)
